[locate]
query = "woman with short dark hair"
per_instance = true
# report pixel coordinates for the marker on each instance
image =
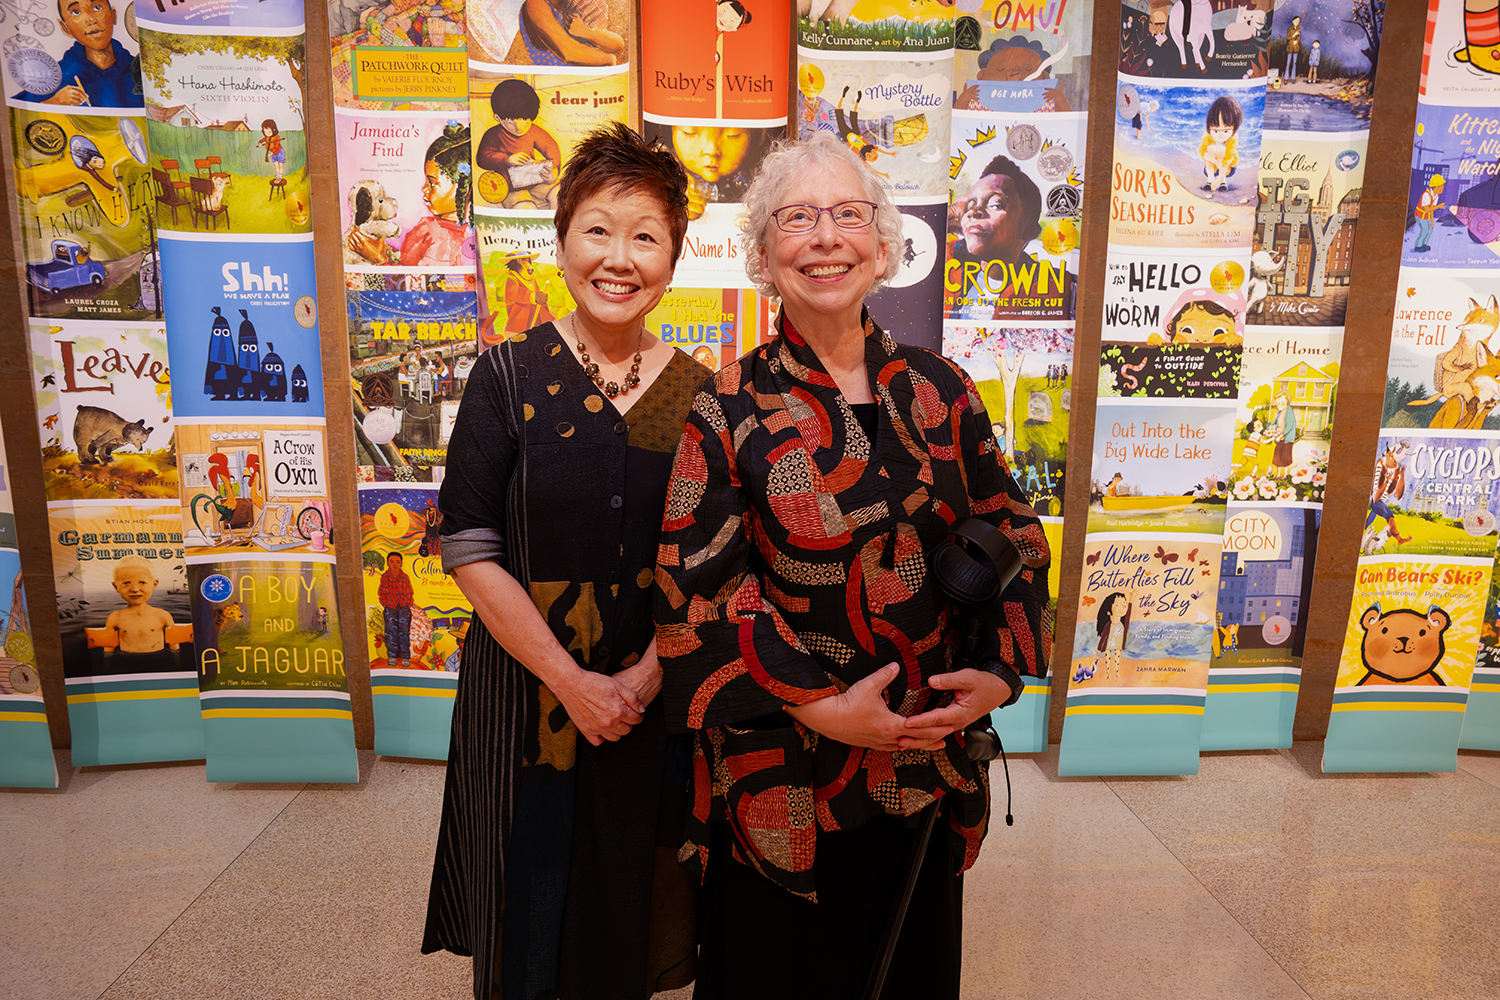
(556, 477)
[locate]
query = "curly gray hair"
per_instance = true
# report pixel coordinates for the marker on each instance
(789, 162)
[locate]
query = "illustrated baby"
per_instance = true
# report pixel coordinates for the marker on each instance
(140, 627)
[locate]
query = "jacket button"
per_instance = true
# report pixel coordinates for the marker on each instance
(616, 502)
(620, 427)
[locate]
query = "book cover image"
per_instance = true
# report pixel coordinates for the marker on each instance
(910, 305)
(549, 32)
(267, 626)
(406, 191)
(524, 286)
(1011, 245)
(1185, 163)
(712, 325)
(1145, 614)
(122, 592)
(894, 113)
(236, 14)
(73, 54)
(1265, 572)
(1024, 377)
(254, 489)
(1289, 382)
(711, 61)
(394, 52)
(1323, 57)
(1433, 494)
(1193, 39)
(875, 25)
(1414, 622)
(104, 409)
(88, 233)
(1453, 203)
(1310, 187)
(525, 128)
(1192, 297)
(417, 618)
(1443, 372)
(1174, 371)
(1019, 59)
(1161, 466)
(244, 334)
(1461, 67)
(411, 354)
(228, 131)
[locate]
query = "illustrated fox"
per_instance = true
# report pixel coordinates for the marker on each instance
(1466, 374)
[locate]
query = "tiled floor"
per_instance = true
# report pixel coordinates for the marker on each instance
(1258, 878)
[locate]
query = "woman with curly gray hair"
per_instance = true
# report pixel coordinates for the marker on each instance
(800, 634)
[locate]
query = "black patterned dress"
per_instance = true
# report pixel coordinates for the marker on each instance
(570, 847)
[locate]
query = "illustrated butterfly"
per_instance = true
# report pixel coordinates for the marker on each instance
(1087, 600)
(1202, 562)
(1197, 595)
(1192, 555)
(1165, 556)
(1091, 560)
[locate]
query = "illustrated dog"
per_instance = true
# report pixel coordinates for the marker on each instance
(371, 210)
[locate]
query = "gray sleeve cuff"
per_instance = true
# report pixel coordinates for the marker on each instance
(473, 545)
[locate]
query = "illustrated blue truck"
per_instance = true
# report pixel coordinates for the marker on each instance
(70, 267)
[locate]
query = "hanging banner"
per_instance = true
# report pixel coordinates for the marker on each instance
(401, 114)
(226, 90)
(1189, 106)
(1427, 552)
(26, 759)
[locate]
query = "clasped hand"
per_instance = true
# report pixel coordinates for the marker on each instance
(606, 707)
(860, 716)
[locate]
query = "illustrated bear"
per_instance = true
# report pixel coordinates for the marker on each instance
(1402, 646)
(97, 432)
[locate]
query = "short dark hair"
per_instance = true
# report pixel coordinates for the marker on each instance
(616, 158)
(1225, 111)
(1207, 305)
(393, 555)
(515, 98)
(1031, 195)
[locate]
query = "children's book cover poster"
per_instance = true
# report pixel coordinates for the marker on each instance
(1310, 189)
(1265, 576)
(1323, 58)
(122, 592)
(1016, 212)
(104, 409)
(411, 354)
(910, 305)
(72, 53)
(267, 625)
(549, 32)
(19, 673)
(88, 214)
(876, 25)
(1460, 65)
(720, 160)
(1023, 375)
(417, 618)
(714, 60)
(523, 285)
(712, 325)
(389, 53)
(525, 128)
(1489, 633)
(1161, 465)
(1172, 371)
(1185, 298)
(1020, 58)
(1195, 39)
(245, 315)
(1145, 613)
(1433, 495)
(228, 14)
(228, 132)
(253, 489)
(1289, 383)
(405, 179)
(1453, 204)
(1414, 622)
(893, 113)
(1443, 372)
(1185, 163)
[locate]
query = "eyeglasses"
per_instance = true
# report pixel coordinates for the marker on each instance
(804, 218)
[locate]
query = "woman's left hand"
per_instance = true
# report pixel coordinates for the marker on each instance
(644, 677)
(976, 693)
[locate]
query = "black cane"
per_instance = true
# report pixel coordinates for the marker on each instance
(898, 915)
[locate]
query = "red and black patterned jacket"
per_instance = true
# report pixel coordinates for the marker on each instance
(793, 564)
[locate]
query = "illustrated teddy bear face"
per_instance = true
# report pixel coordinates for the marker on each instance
(1402, 645)
(368, 201)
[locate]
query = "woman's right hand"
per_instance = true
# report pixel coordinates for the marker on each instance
(602, 707)
(861, 718)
